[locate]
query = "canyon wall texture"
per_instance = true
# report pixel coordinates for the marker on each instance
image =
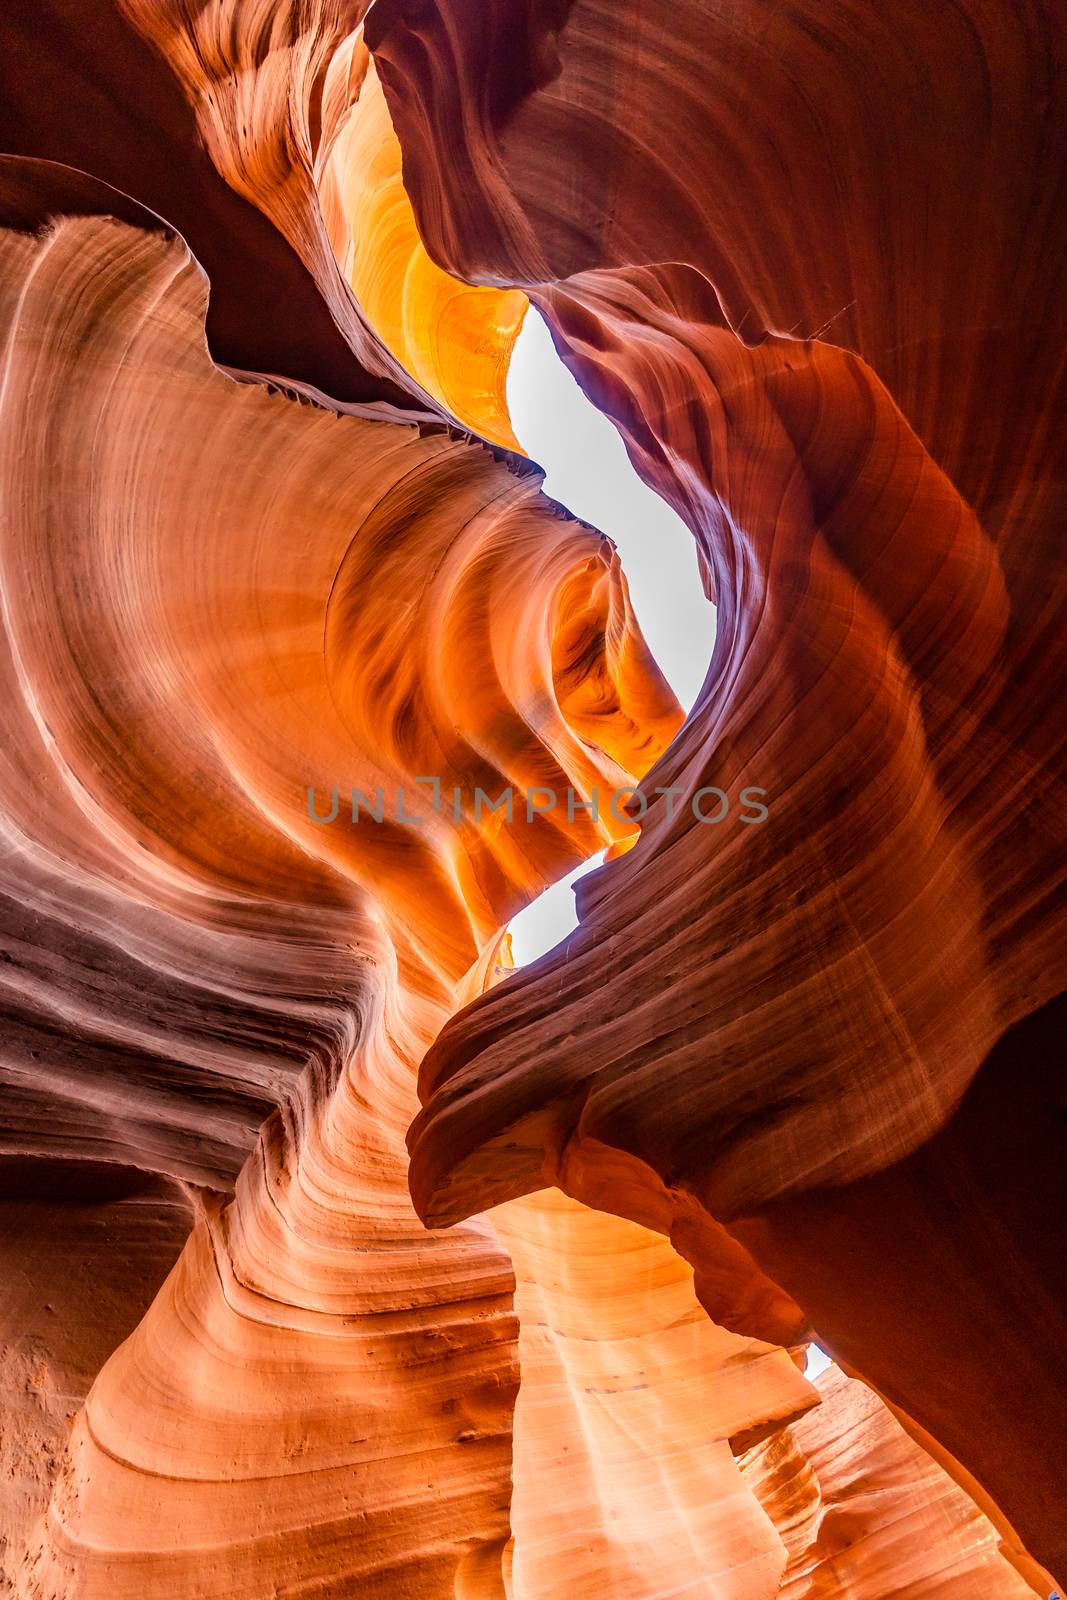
(344, 1257)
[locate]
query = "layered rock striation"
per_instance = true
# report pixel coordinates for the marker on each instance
(823, 300)
(281, 602)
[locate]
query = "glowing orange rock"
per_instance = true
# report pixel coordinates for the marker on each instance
(804, 1065)
(454, 339)
(216, 600)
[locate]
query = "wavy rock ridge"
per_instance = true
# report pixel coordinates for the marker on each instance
(782, 1078)
(878, 517)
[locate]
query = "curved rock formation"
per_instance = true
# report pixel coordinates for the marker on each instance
(878, 519)
(202, 948)
(455, 339)
(271, 658)
(267, 312)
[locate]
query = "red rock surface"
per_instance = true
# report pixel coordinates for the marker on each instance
(849, 379)
(783, 1078)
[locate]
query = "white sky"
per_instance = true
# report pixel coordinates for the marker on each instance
(588, 471)
(818, 1361)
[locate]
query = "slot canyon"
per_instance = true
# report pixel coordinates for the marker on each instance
(357, 1239)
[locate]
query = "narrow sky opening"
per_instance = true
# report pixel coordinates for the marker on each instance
(587, 470)
(817, 1362)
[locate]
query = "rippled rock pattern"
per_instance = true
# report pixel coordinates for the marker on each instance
(274, 1330)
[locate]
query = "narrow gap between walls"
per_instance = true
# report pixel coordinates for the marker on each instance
(588, 471)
